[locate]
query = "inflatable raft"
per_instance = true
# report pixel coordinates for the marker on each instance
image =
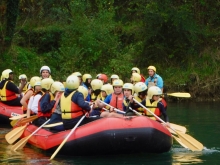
(106, 136)
(8, 111)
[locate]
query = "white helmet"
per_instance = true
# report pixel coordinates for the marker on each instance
(45, 68)
(140, 87)
(129, 86)
(5, 73)
(115, 76)
(108, 88)
(72, 82)
(84, 91)
(96, 84)
(22, 76)
(136, 69)
(57, 86)
(154, 90)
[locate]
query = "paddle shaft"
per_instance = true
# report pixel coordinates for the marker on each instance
(64, 141)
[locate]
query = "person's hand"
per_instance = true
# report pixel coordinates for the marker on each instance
(23, 82)
(130, 98)
(111, 109)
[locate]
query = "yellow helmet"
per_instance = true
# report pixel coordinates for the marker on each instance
(108, 88)
(84, 91)
(78, 74)
(85, 76)
(72, 82)
(152, 67)
(5, 73)
(46, 83)
(96, 84)
(37, 83)
(115, 76)
(22, 76)
(129, 86)
(136, 77)
(136, 69)
(154, 90)
(34, 80)
(57, 86)
(118, 82)
(140, 87)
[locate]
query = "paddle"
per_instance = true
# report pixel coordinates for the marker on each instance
(64, 141)
(18, 117)
(179, 141)
(27, 120)
(53, 125)
(13, 135)
(21, 143)
(13, 122)
(175, 126)
(186, 139)
(178, 94)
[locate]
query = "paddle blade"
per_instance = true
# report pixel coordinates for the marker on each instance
(27, 120)
(15, 134)
(178, 94)
(53, 125)
(178, 128)
(190, 142)
(179, 141)
(20, 144)
(13, 122)
(18, 117)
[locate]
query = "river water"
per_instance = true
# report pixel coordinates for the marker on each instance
(200, 119)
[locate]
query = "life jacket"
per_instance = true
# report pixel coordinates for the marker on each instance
(25, 108)
(140, 110)
(25, 87)
(142, 78)
(40, 113)
(94, 97)
(151, 82)
(164, 103)
(156, 111)
(7, 95)
(117, 101)
(70, 109)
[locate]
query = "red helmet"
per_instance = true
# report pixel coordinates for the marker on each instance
(103, 77)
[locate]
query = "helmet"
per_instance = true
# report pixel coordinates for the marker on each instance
(115, 76)
(118, 82)
(97, 76)
(46, 83)
(103, 77)
(22, 76)
(152, 67)
(85, 76)
(140, 87)
(129, 86)
(96, 84)
(57, 86)
(78, 74)
(37, 83)
(84, 91)
(34, 80)
(136, 69)
(108, 88)
(154, 90)
(45, 68)
(72, 82)
(136, 77)
(5, 73)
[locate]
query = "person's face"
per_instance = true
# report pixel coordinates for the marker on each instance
(37, 88)
(45, 74)
(133, 71)
(118, 89)
(11, 76)
(89, 80)
(151, 72)
(127, 92)
(103, 93)
(156, 97)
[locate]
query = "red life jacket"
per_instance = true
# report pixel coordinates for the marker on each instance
(117, 101)
(40, 113)
(7, 95)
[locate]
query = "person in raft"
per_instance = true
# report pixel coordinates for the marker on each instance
(153, 100)
(73, 105)
(8, 90)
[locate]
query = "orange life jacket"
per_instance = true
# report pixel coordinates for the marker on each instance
(70, 109)
(117, 101)
(7, 95)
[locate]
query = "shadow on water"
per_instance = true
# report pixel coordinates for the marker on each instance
(201, 120)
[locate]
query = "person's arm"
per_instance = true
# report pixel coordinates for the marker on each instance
(12, 87)
(34, 106)
(163, 111)
(25, 98)
(107, 100)
(45, 103)
(79, 100)
(159, 82)
(29, 106)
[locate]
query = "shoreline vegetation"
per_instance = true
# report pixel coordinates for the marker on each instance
(180, 38)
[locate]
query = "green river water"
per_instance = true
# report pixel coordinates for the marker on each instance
(201, 120)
